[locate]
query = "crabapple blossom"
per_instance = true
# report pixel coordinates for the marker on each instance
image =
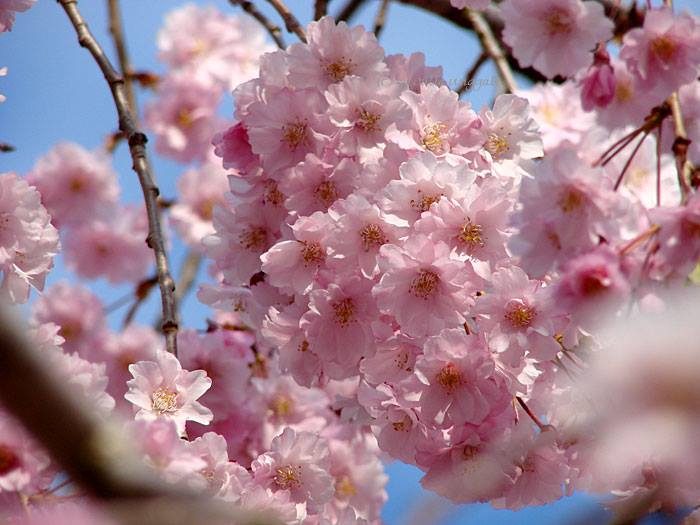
(162, 389)
(556, 37)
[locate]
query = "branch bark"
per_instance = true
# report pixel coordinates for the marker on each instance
(320, 9)
(290, 21)
(273, 29)
(137, 147)
(116, 29)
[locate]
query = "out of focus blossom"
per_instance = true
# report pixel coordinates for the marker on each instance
(8, 9)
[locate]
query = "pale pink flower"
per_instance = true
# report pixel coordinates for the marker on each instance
(60, 511)
(556, 37)
(332, 53)
(664, 54)
(393, 361)
(8, 8)
(297, 462)
(424, 179)
(510, 131)
(338, 325)
(162, 389)
(423, 287)
(233, 146)
(183, 116)
(24, 467)
(205, 41)
(80, 316)
(76, 185)
(199, 191)
(678, 239)
(412, 70)
(293, 265)
(219, 476)
(115, 249)
(28, 241)
(598, 85)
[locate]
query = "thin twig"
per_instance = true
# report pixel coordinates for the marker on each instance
(273, 29)
(491, 46)
(680, 147)
(532, 415)
(320, 9)
(6, 148)
(629, 160)
(380, 20)
(116, 29)
(290, 21)
(137, 148)
(471, 73)
(349, 10)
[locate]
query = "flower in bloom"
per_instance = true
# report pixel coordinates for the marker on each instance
(115, 249)
(510, 131)
(412, 70)
(665, 53)
(8, 8)
(334, 52)
(199, 190)
(556, 37)
(423, 286)
(233, 146)
(76, 185)
(28, 241)
(598, 85)
(23, 465)
(297, 462)
(183, 116)
(204, 41)
(162, 389)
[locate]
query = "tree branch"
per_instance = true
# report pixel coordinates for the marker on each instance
(273, 29)
(320, 9)
(116, 29)
(471, 73)
(492, 48)
(380, 19)
(349, 10)
(137, 148)
(680, 147)
(290, 21)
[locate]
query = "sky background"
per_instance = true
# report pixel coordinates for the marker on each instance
(55, 93)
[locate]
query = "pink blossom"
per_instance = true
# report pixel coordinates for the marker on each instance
(423, 286)
(598, 85)
(28, 241)
(162, 389)
(80, 316)
(24, 466)
(664, 54)
(510, 131)
(205, 41)
(114, 249)
(199, 191)
(219, 476)
(678, 239)
(233, 146)
(66, 512)
(297, 462)
(556, 37)
(332, 53)
(183, 116)
(8, 8)
(393, 361)
(76, 185)
(412, 70)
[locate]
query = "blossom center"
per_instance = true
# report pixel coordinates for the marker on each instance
(303, 346)
(76, 184)
(326, 192)
(70, 331)
(345, 488)
(206, 209)
(496, 145)
(449, 377)
(471, 235)
(254, 238)
(8, 460)
(372, 237)
(571, 200)
(404, 425)
(425, 284)
(311, 253)
(273, 195)
(339, 69)
(520, 315)
(433, 138)
(595, 281)
(164, 400)
(184, 118)
(344, 311)
(368, 121)
(281, 405)
(663, 47)
(623, 90)
(558, 22)
(295, 134)
(423, 202)
(288, 477)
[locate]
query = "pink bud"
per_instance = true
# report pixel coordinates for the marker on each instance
(598, 86)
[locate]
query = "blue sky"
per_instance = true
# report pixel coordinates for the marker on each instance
(55, 92)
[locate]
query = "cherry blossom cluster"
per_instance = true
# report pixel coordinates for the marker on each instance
(447, 263)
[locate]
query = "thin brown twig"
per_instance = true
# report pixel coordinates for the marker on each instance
(629, 161)
(116, 29)
(471, 73)
(137, 148)
(290, 21)
(491, 46)
(680, 147)
(320, 9)
(349, 10)
(273, 29)
(380, 19)
(532, 415)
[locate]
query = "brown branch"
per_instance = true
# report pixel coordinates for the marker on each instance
(320, 9)
(290, 21)
(137, 148)
(274, 31)
(492, 48)
(532, 415)
(349, 10)
(680, 147)
(116, 29)
(471, 74)
(380, 19)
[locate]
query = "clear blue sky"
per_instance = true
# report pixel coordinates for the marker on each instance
(55, 92)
